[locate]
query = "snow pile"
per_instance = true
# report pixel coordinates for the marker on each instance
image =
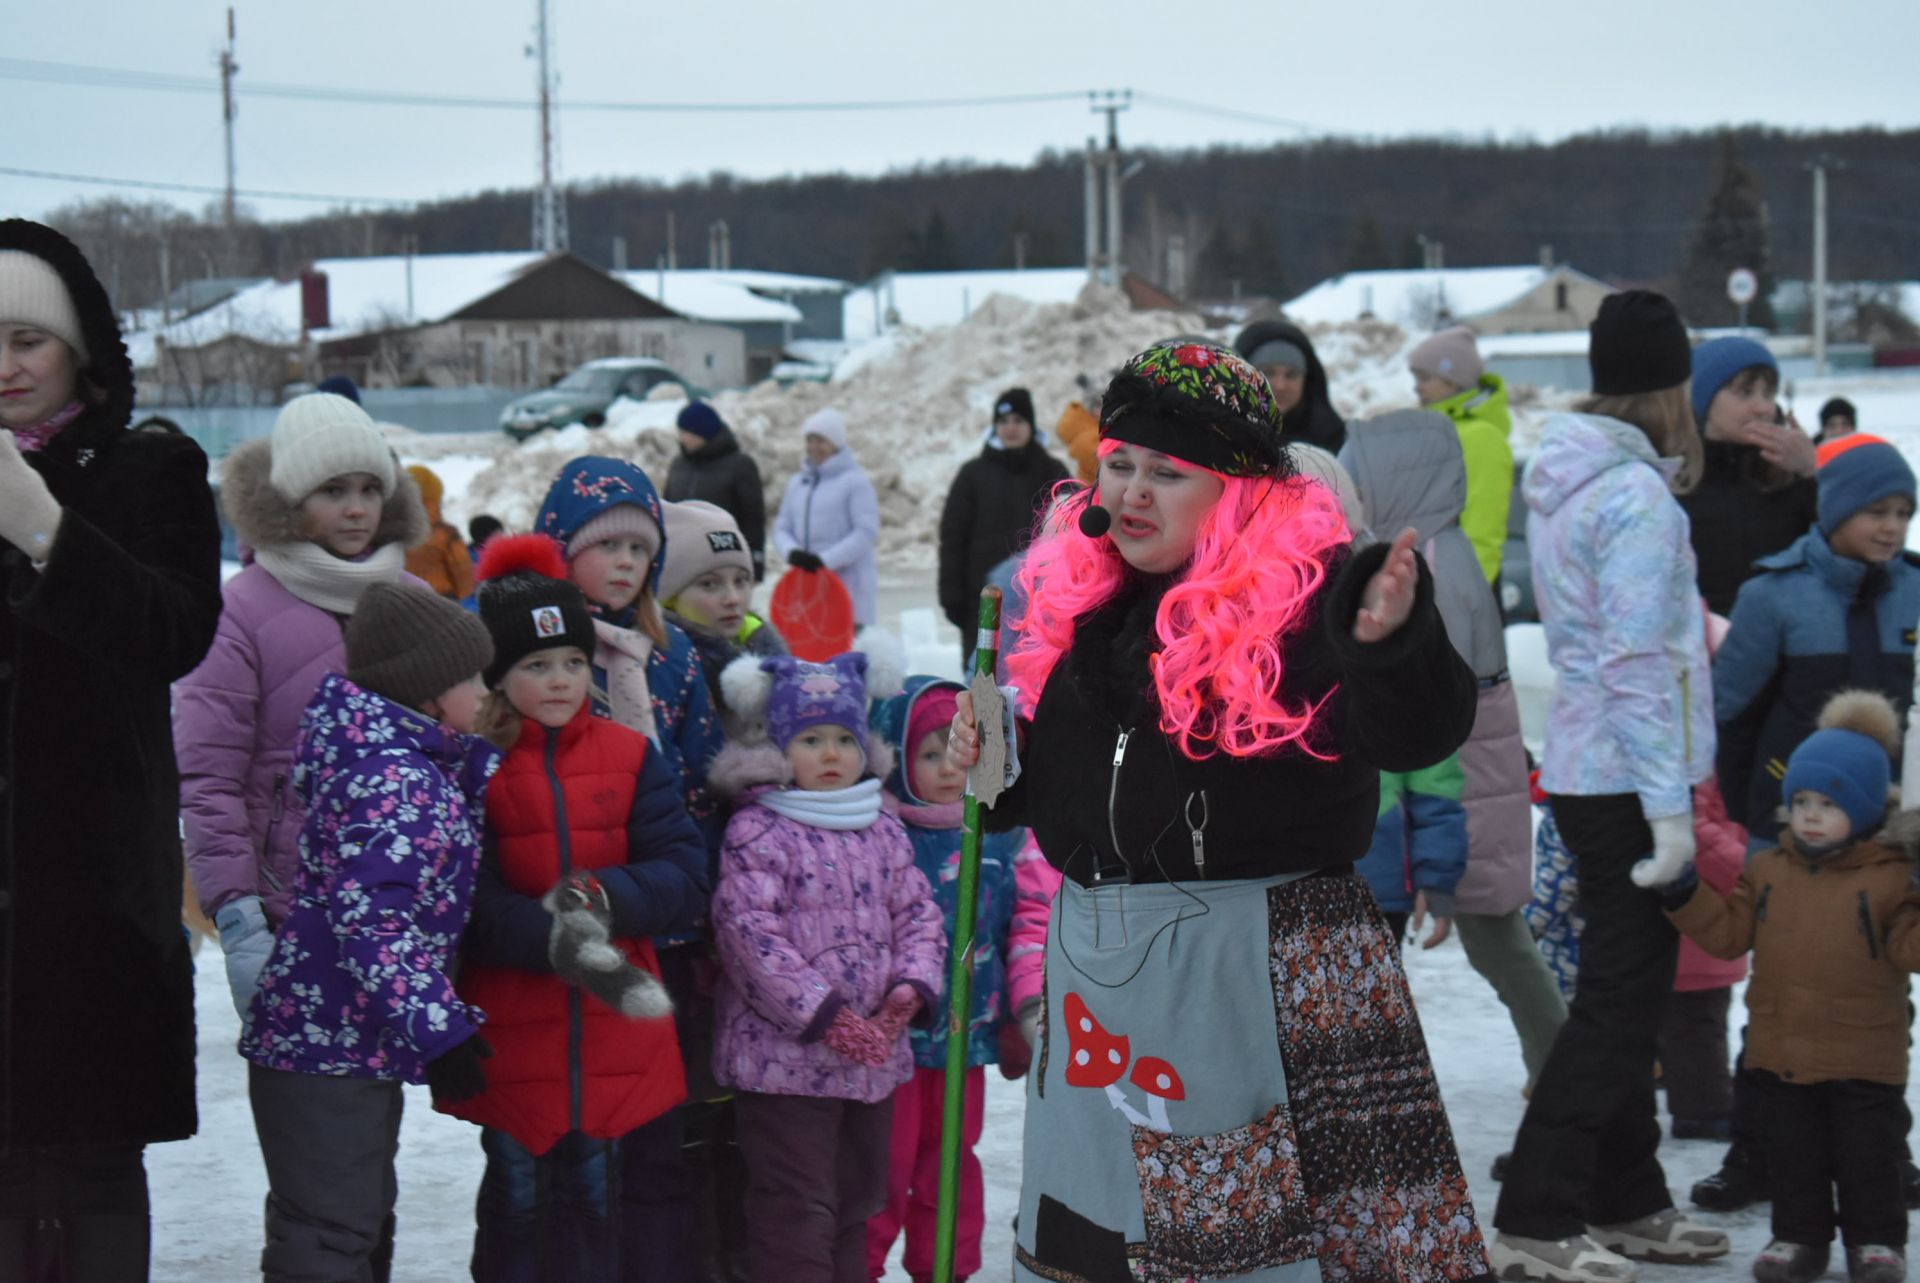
(919, 403)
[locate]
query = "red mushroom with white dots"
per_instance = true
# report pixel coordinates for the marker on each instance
(1161, 1082)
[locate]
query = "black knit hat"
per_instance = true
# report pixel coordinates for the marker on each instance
(527, 602)
(1841, 408)
(410, 644)
(1014, 401)
(108, 368)
(1637, 344)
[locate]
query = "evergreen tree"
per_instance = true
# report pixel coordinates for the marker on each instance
(1367, 246)
(936, 250)
(1217, 266)
(1261, 271)
(1730, 231)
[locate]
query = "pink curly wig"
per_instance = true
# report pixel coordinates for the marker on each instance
(1258, 558)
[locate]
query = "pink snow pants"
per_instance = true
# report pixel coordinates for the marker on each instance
(913, 1177)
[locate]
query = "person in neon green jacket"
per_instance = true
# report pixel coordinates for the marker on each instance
(1449, 378)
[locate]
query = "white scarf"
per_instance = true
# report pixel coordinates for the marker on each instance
(623, 653)
(855, 807)
(321, 579)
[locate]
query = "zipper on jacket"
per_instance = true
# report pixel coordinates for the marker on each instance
(273, 827)
(1113, 797)
(1686, 715)
(1199, 841)
(576, 1018)
(1866, 925)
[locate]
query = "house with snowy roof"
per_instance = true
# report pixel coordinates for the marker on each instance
(926, 300)
(510, 320)
(770, 309)
(1489, 300)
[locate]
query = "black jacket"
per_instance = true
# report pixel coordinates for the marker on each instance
(96, 987)
(988, 516)
(1396, 705)
(1734, 523)
(1313, 420)
(722, 474)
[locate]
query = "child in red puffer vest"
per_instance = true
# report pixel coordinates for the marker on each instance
(589, 852)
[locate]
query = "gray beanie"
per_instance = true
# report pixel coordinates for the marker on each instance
(410, 644)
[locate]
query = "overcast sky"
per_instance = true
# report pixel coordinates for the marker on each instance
(1505, 68)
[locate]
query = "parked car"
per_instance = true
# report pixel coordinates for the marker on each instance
(1516, 564)
(584, 395)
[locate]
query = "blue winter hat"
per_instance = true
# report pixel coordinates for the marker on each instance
(340, 385)
(1848, 767)
(587, 499)
(806, 694)
(1715, 363)
(700, 419)
(1857, 471)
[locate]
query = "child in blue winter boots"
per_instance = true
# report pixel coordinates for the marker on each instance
(1832, 915)
(357, 997)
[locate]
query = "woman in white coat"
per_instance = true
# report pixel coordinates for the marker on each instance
(830, 516)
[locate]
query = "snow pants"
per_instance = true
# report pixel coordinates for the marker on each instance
(548, 1216)
(329, 1145)
(74, 1214)
(913, 1176)
(1845, 1137)
(1694, 1062)
(1586, 1151)
(816, 1173)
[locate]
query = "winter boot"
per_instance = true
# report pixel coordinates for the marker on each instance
(1579, 1259)
(1741, 1180)
(1666, 1237)
(1784, 1262)
(1876, 1264)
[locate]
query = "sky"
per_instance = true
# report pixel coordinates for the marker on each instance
(1507, 69)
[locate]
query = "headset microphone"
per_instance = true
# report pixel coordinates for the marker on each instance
(1094, 521)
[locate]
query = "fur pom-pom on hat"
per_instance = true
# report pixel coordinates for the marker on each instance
(886, 662)
(1867, 713)
(535, 553)
(746, 687)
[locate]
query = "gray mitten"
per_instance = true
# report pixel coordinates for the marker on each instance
(580, 946)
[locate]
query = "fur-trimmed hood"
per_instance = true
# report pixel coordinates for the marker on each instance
(740, 769)
(262, 517)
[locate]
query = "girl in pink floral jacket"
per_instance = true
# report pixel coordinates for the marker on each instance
(830, 946)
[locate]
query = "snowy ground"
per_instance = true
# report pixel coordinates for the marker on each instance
(207, 1191)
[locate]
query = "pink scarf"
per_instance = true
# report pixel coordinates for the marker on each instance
(34, 438)
(936, 815)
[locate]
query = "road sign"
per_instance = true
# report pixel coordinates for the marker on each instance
(1742, 285)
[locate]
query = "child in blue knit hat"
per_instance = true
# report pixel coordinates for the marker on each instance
(1832, 915)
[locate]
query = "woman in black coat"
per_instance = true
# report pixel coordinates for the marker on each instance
(714, 469)
(990, 508)
(110, 558)
(1283, 353)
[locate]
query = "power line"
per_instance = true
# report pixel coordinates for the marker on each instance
(168, 82)
(204, 189)
(1225, 113)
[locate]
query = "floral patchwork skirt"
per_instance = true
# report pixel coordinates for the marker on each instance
(1232, 1083)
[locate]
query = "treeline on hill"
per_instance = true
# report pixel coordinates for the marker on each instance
(1628, 206)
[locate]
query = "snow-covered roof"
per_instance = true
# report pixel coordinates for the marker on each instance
(775, 283)
(363, 294)
(929, 299)
(709, 296)
(1409, 298)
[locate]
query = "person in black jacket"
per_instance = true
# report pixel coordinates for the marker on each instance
(713, 468)
(1283, 353)
(1216, 681)
(110, 560)
(1757, 493)
(990, 509)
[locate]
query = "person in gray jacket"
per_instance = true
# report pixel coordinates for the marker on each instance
(1410, 471)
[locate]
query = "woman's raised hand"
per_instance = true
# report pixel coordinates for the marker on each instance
(963, 737)
(1385, 602)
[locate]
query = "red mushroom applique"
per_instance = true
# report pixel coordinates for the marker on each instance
(1098, 1059)
(1161, 1082)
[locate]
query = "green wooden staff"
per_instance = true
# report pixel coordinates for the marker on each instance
(984, 779)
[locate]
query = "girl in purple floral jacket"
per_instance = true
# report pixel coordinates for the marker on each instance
(355, 999)
(830, 945)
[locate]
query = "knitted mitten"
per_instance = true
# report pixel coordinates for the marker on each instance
(858, 1039)
(580, 946)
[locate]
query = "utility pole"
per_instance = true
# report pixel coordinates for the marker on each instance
(1819, 166)
(227, 69)
(673, 247)
(1092, 207)
(1113, 103)
(549, 205)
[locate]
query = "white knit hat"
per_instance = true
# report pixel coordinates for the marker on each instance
(828, 423)
(32, 293)
(321, 435)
